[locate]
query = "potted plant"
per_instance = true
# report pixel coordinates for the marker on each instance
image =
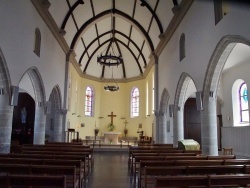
(111, 127)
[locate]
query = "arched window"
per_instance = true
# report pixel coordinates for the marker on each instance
(37, 46)
(243, 102)
(221, 9)
(89, 99)
(182, 47)
(135, 102)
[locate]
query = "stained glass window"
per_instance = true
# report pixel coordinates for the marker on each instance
(135, 102)
(89, 101)
(244, 111)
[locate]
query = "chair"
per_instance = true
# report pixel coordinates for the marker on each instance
(227, 151)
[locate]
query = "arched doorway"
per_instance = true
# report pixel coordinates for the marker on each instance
(23, 120)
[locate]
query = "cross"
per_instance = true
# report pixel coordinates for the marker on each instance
(125, 122)
(112, 115)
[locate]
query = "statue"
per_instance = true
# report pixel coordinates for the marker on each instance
(23, 115)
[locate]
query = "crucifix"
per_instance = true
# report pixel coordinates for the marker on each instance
(125, 122)
(112, 115)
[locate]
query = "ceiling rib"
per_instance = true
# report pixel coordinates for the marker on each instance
(75, 23)
(92, 42)
(133, 15)
(144, 3)
(70, 12)
(93, 12)
(132, 53)
(90, 21)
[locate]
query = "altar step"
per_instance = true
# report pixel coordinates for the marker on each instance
(110, 147)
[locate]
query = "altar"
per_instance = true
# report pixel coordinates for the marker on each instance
(111, 137)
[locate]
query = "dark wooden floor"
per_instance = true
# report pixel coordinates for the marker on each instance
(110, 170)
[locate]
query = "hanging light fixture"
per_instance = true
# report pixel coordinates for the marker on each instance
(111, 84)
(108, 57)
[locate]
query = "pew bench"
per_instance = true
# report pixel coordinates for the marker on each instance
(240, 180)
(69, 172)
(151, 172)
(32, 181)
(81, 175)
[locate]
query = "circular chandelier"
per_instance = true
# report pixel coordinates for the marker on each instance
(111, 85)
(110, 60)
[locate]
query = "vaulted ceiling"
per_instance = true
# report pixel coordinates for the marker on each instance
(130, 28)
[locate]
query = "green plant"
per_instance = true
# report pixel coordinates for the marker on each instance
(111, 127)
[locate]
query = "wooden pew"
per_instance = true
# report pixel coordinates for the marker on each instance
(165, 163)
(23, 169)
(136, 158)
(158, 152)
(151, 172)
(63, 143)
(52, 156)
(57, 162)
(57, 149)
(180, 181)
(32, 181)
(241, 180)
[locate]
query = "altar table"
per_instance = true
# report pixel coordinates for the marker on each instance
(111, 137)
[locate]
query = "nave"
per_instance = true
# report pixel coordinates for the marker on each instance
(110, 170)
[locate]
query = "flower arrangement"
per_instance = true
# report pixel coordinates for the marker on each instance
(125, 130)
(111, 127)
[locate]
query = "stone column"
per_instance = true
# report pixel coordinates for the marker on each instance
(163, 129)
(209, 138)
(6, 116)
(39, 126)
(178, 127)
(58, 131)
(156, 102)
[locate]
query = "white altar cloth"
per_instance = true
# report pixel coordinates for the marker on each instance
(111, 137)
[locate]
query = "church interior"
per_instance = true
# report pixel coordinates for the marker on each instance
(115, 74)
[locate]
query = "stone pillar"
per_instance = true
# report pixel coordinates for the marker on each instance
(39, 126)
(163, 129)
(6, 116)
(178, 127)
(156, 102)
(65, 99)
(58, 132)
(209, 138)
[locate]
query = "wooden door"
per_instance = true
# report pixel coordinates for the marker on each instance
(192, 121)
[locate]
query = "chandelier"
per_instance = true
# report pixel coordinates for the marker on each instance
(111, 85)
(108, 57)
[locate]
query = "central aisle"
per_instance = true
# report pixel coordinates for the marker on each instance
(110, 170)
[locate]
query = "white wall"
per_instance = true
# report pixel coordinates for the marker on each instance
(18, 21)
(228, 78)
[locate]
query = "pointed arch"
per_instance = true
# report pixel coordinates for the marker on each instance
(162, 130)
(54, 126)
(40, 100)
(6, 111)
(217, 62)
(5, 82)
(179, 101)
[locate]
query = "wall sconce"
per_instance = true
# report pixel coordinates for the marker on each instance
(140, 125)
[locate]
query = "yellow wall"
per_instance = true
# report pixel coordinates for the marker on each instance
(107, 102)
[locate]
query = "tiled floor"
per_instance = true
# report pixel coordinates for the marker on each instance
(110, 170)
